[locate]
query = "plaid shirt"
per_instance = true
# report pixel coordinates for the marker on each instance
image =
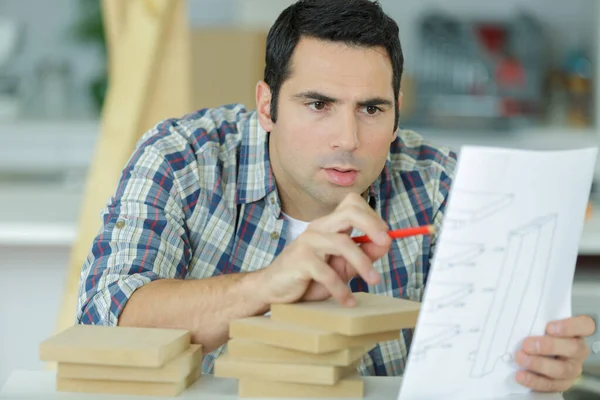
(198, 199)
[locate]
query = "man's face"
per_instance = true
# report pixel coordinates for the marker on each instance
(334, 125)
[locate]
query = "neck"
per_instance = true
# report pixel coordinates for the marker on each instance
(299, 205)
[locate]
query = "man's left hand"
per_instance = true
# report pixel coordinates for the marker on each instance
(554, 361)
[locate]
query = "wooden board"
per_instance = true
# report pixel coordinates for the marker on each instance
(226, 366)
(109, 345)
(173, 371)
(350, 387)
(250, 350)
(289, 336)
(372, 314)
(148, 81)
(127, 388)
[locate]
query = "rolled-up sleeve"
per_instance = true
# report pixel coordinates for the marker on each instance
(142, 238)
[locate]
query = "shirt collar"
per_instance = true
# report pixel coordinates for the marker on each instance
(255, 177)
(374, 191)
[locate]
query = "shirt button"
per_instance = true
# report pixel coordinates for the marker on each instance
(274, 235)
(120, 224)
(272, 200)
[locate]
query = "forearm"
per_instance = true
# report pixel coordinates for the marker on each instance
(203, 306)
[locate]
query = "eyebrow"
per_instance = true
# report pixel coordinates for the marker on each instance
(313, 95)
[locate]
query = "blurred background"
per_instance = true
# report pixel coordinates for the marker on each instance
(516, 73)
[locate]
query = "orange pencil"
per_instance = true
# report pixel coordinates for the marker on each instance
(400, 233)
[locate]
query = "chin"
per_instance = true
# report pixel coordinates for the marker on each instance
(336, 194)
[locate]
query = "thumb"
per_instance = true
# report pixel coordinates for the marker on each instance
(375, 251)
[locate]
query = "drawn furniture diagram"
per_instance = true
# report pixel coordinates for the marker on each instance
(437, 336)
(449, 295)
(475, 207)
(456, 254)
(529, 249)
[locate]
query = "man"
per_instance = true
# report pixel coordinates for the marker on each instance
(223, 212)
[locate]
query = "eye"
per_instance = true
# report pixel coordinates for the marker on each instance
(317, 105)
(372, 110)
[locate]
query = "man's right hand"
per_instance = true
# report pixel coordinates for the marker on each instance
(321, 261)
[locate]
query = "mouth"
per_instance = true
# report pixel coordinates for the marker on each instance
(343, 169)
(341, 176)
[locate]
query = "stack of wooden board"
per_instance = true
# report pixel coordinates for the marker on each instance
(311, 349)
(123, 360)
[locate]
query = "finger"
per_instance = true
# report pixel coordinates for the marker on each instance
(374, 251)
(541, 383)
(580, 326)
(342, 268)
(553, 346)
(322, 273)
(355, 215)
(342, 245)
(355, 218)
(353, 198)
(316, 291)
(555, 368)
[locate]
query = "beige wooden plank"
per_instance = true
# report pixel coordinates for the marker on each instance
(114, 13)
(138, 77)
(350, 387)
(290, 336)
(255, 351)
(171, 93)
(173, 371)
(226, 366)
(127, 388)
(372, 314)
(118, 346)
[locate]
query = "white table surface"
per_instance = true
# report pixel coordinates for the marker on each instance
(38, 385)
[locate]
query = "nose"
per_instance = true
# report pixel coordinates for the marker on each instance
(345, 136)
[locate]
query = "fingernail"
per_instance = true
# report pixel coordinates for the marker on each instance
(532, 346)
(374, 276)
(523, 377)
(554, 329)
(351, 301)
(519, 377)
(382, 238)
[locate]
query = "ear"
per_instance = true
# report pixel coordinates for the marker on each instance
(395, 135)
(263, 106)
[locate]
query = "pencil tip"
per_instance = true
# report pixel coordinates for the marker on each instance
(432, 229)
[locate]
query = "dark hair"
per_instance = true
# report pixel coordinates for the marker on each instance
(354, 22)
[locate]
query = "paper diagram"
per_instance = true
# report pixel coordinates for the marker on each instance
(525, 261)
(474, 206)
(435, 336)
(449, 295)
(456, 254)
(515, 240)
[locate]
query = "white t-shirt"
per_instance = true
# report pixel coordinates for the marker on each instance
(295, 227)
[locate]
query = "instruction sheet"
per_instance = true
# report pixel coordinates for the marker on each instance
(503, 269)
